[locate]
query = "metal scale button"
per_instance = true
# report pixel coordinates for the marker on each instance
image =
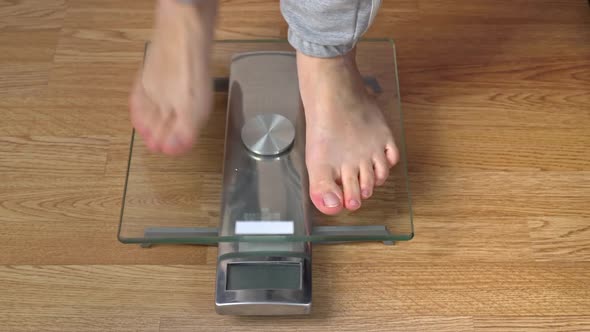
(268, 134)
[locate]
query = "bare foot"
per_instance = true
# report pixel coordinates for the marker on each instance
(349, 143)
(172, 96)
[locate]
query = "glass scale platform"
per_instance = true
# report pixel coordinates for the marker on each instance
(177, 200)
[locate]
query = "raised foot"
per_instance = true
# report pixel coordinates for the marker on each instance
(172, 95)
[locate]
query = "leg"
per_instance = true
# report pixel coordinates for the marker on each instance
(349, 143)
(172, 95)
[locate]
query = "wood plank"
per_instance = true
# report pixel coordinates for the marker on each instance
(141, 289)
(109, 14)
(29, 46)
(444, 238)
(186, 292)
(453, 195)
(29, 35)
(560, 238)
(94, 80)
(496, 148)
(31, 15)
(451, 182)
(73, 221)
(492, 107)
(46, 156)
(504, 12)
(450, 43)
(532, 323)
(92, 46)
(23, 80)
(561, 73)
(78, 117)
(350, 323)
(54, 241)
(78, 320)
(235, 20)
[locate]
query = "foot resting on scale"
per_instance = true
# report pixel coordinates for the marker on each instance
(350, 147)
(172, 95)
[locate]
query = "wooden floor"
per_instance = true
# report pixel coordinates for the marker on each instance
(496, 96)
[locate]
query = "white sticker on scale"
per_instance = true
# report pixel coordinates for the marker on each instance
(265, 227)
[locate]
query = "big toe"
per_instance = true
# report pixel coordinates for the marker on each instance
(325, 194)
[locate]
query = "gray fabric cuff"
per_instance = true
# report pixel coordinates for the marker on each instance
(316, 50)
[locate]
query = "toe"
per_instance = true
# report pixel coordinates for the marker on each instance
(352, 191)
(181, 136)
(162, 131)
(325, 194)
(173, 145)
(153, 121)
(392, 153)
(381, 167)
(367, 179)
(145, 115)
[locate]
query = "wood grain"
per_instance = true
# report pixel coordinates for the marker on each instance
(560, 238)
(470, 148)
(549, 323)
(29, 33)
(496, 100)
(351, 323)
(52, 118)
(182, 295)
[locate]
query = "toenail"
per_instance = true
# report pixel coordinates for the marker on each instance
(366, 193)
(331, 200)
(353, 203)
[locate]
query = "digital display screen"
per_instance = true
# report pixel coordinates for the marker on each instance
(263, 276)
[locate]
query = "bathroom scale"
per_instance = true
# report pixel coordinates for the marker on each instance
(244, 186)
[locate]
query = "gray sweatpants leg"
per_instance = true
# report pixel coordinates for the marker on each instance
(327, 28)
